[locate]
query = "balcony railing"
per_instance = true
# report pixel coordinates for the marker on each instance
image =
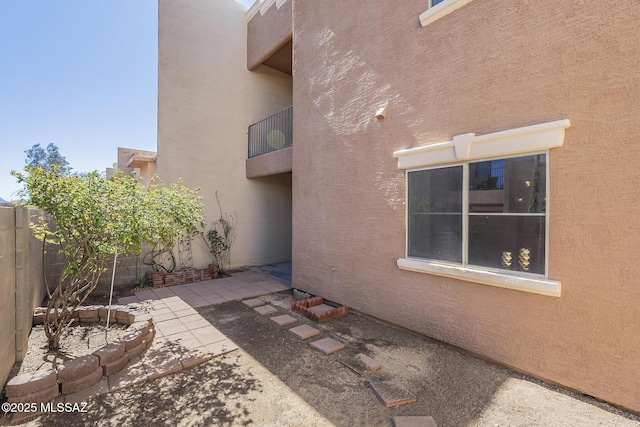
(271, 134)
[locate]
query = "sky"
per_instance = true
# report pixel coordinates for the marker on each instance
(81, 74)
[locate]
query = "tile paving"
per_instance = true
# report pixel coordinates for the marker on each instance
(327, 345)
(304, 331)
(284, 320)
(389, 394)
(265, 310)
(183, 337)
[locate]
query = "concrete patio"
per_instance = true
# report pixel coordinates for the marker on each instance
(240, 285)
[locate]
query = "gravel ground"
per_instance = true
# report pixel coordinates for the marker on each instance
(275, 379)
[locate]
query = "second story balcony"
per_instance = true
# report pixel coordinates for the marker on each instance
(270, 145)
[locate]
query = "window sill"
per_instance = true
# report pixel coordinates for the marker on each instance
(525, 284)
(440, 10)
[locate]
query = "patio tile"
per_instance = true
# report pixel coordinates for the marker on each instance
(145, 295)
(163, 292)
(304, 331)
(133, 373)
(183, 292)
(157, 318)
(190, 318)
(389, 394)
(252, 303)
(168, 331)
(160, 360)
(327, 345)
(161, 309)
(190, 343)
(221, 347)
(202, 292)
(200, 304)
(284, 320)
(172, 321)
(208, 335)
(195, 356)
(178, 306)
(215, 300)
(127, 300)
(362, 364)
(414, 422)
(266, 310)
(197, 324)
(186, 312)
(180, 340)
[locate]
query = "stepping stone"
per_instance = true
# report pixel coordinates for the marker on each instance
(321, 309)
(304, 331)
(389, 394)
(414, 422)
(285, 319)
(253, 302)
(265, 310)
(327, 345)
(362, 364)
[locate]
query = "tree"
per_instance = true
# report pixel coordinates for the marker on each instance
(50, 159)
(96, 218)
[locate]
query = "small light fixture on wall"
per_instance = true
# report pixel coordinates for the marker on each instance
(381, 113)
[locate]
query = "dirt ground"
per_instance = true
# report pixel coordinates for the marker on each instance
(275, 379)
(78, 339)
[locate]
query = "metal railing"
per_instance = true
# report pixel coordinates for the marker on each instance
(271, 134)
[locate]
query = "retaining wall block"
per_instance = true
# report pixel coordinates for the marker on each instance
(131, 339)
(44, 395)
(83, 382)
(77, 368)
(116, 366)
(31, 382)
(110, 353)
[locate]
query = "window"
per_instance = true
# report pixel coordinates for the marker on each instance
(444, 7)
(495, 218)
(478, 208)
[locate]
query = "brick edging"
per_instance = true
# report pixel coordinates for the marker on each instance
(304, 305)
(84, 371)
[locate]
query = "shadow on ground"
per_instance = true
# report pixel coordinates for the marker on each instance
(455, 388)
(275, 379)
(197, 395)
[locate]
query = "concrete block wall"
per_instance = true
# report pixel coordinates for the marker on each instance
(7, 291)
(22, 285)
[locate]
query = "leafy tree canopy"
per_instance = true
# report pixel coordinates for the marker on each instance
(94, 218)
(48, 159)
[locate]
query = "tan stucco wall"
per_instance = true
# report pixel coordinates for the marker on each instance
(489, 66)
(206, 100)
(276, 162)
(267, 33)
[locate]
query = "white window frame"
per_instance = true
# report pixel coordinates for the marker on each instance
(441, 10)
(463, 149)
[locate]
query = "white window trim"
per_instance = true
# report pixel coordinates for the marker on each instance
(440, 10)
(467, 147)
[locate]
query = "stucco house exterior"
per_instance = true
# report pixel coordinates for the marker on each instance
(466, 169)
(139, 163)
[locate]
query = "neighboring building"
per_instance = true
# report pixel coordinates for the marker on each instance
(139, 163)
(465, 170)
(206, 100)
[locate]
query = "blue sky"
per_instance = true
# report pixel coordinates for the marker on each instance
(81, 74)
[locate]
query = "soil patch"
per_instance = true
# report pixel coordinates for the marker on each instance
(276, 379)
(77, 340)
